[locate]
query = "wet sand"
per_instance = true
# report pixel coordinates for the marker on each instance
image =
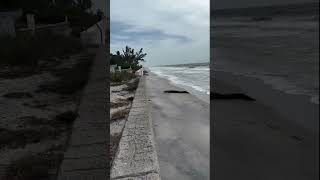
(182, 129)
(255, 140)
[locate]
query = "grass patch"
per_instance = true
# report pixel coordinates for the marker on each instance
(120, 114)
(121, 76)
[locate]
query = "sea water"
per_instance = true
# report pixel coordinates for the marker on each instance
(194, 79)
(282, 52)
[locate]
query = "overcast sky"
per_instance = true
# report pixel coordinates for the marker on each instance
(171, 32)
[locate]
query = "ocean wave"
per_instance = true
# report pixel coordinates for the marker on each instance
(196, 78)
(279, 82)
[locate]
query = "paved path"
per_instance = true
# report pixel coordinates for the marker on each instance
(86, 157)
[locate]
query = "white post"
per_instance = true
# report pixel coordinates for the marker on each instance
(31, 23)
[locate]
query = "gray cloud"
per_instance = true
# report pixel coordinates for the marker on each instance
(121, 32)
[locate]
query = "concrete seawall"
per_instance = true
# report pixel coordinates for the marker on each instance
(136, 157)
(86, 157)
(96, 34)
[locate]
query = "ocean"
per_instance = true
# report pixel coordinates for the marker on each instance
(194, 78)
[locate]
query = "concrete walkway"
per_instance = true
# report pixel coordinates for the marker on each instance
(86, 157)
(136, 158)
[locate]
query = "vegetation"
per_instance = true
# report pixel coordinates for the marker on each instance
(128, 58)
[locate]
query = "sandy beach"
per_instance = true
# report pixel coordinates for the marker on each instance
(276, 136)
(181, 129)
(254, 141)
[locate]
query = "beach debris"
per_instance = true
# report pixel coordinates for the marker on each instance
(175, 91)
(230, 96)
(121, 114)
(130, 98)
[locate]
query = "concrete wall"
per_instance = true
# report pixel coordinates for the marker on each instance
(96, 34)
(136, 157)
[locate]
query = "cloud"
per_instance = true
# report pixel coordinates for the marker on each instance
(124, 32)
(170, 31)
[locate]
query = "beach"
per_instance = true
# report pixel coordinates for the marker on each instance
(254, 141)
(181, 130)
(274, 62)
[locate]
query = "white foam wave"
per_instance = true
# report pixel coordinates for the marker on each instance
(183, 81)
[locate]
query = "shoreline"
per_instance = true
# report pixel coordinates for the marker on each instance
(181, 124)
(296, 109)
(201, 96)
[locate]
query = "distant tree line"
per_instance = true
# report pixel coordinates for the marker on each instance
(128, 58)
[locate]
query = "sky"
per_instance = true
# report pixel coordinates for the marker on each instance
(170, 32)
